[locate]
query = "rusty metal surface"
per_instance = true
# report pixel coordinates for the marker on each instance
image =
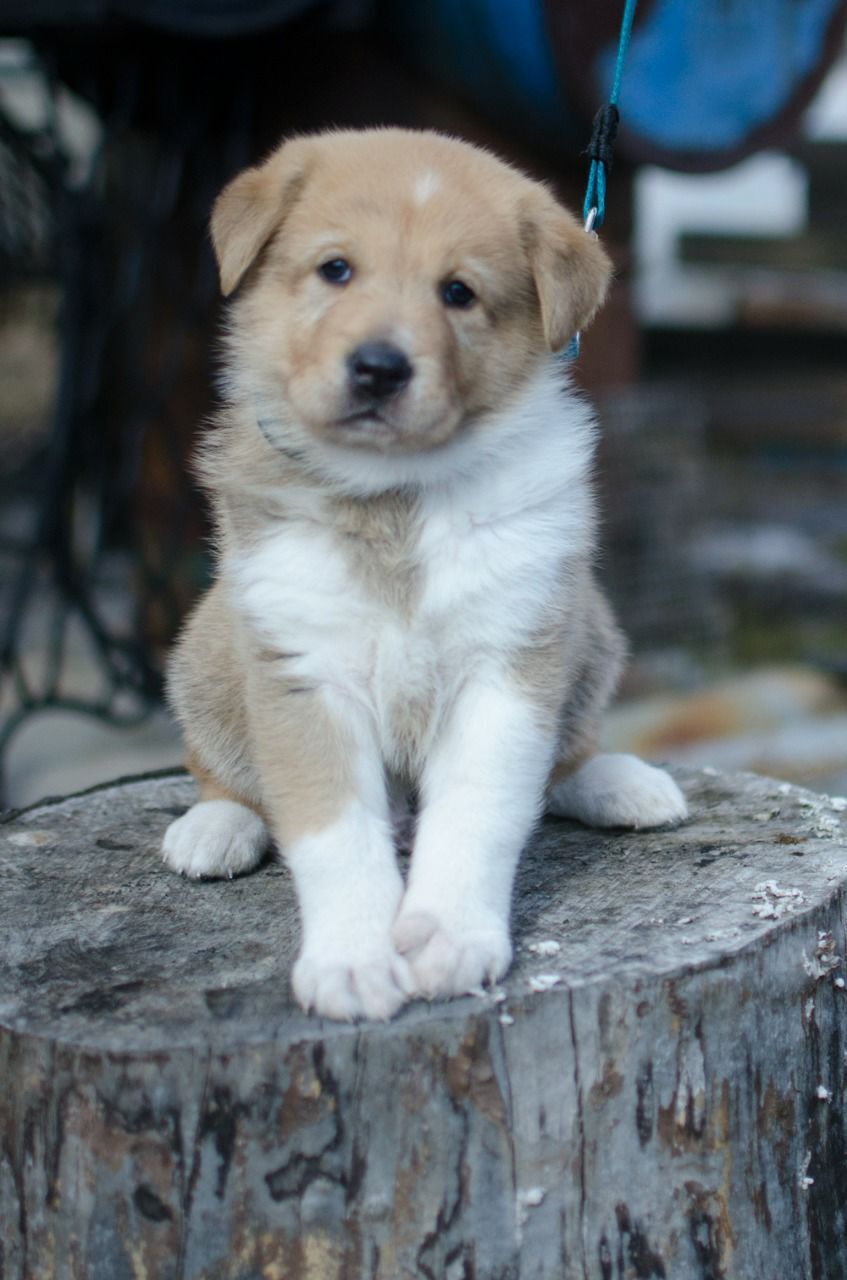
(670, 1104)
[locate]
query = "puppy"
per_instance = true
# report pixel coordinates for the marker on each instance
(404, 602)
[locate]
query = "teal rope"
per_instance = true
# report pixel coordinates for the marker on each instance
(602, 138)
(595, 194)
(623, 46)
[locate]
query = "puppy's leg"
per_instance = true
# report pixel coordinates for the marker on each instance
(323, 780)
(481, 794)
(603, 790)
(221, 835)
(616, 791)
(225, 834)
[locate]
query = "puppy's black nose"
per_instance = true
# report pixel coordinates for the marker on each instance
(378, 370)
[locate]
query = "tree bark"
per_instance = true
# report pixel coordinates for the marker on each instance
(656, 1090)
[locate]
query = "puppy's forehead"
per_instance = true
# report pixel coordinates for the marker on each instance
(383, 155)
(422, 190)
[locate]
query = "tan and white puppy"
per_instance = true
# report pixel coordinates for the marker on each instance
(404, 601)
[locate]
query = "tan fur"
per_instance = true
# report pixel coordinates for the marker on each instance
(378, 534)
(207, 693)
(570, 269)
(538, 276)
(573, 668)
(210, 787)
(250, 209)
(265, 742)
(253, 735)
(303, 756)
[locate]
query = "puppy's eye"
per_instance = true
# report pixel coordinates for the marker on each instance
(336, 271)
(457, 294)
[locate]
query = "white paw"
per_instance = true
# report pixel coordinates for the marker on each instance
(451, 954)
(215, 838)
(370, 982)
(619, 791)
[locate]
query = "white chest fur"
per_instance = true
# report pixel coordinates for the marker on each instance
(482, 563)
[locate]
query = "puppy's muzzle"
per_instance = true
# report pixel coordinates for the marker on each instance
(378, 370)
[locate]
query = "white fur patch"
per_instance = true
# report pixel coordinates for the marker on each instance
(545, 434)
(349, 888)
(426, 185)
(481, 794)
(619, 791)
(216, 838)
(489, 548)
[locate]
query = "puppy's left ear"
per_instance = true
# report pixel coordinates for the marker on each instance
(571, 270)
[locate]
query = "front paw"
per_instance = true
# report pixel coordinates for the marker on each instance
(451, 953)
(355, 982)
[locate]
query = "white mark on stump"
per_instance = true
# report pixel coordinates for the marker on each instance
(824, 959)
(526, 1199)
(823, 1094)
(544, 981)
(31, 839)
(691, 1087)
(547, 947)
(773, 902)
(804, 1179)
(377, 1207)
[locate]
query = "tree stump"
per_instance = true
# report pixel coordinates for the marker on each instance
(656, 1090)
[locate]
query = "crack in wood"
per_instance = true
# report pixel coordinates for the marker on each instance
(580, 1122)
(193, 1173)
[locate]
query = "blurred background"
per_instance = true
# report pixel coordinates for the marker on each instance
(718, 366)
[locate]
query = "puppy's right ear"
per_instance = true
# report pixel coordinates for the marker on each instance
(249, 210)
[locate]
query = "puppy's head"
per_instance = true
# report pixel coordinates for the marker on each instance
(396, 286)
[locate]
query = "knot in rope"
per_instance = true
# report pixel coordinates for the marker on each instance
(603, 134)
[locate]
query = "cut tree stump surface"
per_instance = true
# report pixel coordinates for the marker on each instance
(655, 1090)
